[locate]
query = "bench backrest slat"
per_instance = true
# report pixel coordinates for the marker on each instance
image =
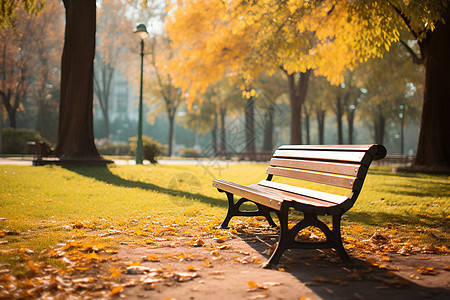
(330, 179)
(327, 147)
(342, 156)
(335, 168)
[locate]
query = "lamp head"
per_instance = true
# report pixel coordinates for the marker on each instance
(141, 31)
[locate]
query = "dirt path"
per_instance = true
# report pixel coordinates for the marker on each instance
(231, 270)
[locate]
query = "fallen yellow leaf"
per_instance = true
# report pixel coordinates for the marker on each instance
(115, 290)
(191, 268)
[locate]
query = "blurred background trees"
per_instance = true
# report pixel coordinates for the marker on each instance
(314, 73)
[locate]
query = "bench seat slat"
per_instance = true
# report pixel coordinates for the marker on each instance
(336, 168)
(327, 197)
(294, 197)
(343, 156)
(330, 179)
(268, 199)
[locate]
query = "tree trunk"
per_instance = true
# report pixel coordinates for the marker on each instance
(11, 109)
(250, 126)
(171, 127)
(379, 126)
(321, 125)
(339, 114)
(1, 129)
(268, 130)
(223, 137)
(12, 119)
(214, 136)
(433, 150)
(75, 129)
(307, 128)
(106, 125)
(350, 122)
(297, 96)
(102, 88)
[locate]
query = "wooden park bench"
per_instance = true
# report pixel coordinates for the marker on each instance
(39, 149)
(343, 166)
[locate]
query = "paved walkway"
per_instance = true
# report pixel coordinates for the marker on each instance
(29, 161)
(16, 161)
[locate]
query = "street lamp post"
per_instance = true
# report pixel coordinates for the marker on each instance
(142, 33)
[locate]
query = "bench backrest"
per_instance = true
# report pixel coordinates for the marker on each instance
(338, 165)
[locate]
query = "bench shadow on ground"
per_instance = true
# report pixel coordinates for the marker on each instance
(105, 175)
(323, 272)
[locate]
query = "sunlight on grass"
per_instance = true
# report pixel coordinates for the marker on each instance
(50, 204)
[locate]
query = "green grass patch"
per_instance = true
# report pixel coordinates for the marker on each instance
(51, 204)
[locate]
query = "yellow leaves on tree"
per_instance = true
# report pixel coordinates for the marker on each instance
(232, 38)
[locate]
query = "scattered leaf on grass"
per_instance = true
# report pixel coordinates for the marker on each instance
(378, 237)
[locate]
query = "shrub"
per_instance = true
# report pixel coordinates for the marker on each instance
(114, 149)
(151, 147)
(189, 152)
(14, 141)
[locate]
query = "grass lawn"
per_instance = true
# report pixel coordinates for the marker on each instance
(41, 207)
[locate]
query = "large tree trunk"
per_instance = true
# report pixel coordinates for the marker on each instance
(297, 96)
(433, 150)
(75, 130)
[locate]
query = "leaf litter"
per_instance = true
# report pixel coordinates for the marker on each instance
(93, 270)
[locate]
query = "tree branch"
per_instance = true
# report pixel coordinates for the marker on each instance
(416, 59)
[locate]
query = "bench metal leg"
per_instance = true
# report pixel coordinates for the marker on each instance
(283, 240)
(287, 236)
(338, 239)
(234, 210)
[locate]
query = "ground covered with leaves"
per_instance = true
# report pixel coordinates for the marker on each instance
(124, 232)
(193, 260)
